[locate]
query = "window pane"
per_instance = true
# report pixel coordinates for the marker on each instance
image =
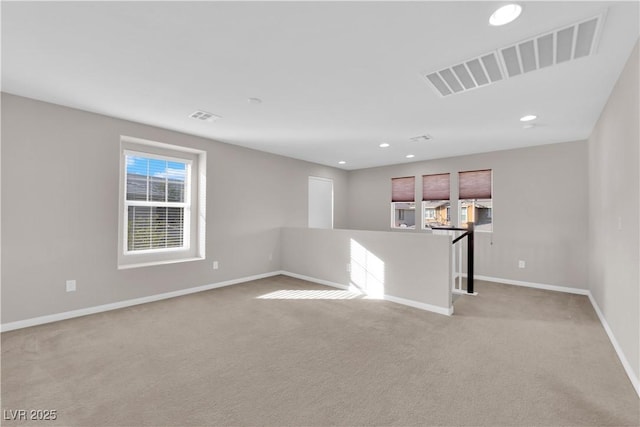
(478, 211)
(436, 213)
(175, 191)
(175, 221)
(159, 228)
(155, 180)
(404, 215)
(155, 228)
(158, 188)
(176, 180)
(137, 181)
(139, 228)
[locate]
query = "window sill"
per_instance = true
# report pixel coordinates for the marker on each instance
(163, 262)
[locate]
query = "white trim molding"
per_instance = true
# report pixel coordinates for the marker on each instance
(635, 382)
(19, 324)
(314, 280)
(566, 289)
(411, 303)
(625, 363)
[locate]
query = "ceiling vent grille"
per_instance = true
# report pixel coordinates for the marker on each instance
(421, 138)
(552, 48)
(204, 116)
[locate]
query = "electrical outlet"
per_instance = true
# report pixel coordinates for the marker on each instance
(71, 285)
(521, 264)
(215, 265)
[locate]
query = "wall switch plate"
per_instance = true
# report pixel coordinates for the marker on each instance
(215, 265)
(348, 268)
(521, 264)
(71, 285)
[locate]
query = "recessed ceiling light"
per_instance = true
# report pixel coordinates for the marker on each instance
(384, 145)
(528, 118)
(342, 162)
(254, 101)
(410, 156)
(505, 14)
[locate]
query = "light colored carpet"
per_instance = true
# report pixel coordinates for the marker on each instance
(510, 356)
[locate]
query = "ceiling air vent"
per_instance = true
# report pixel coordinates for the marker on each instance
(551, 48)
(566, 44)
(421, 138)
(204, 116)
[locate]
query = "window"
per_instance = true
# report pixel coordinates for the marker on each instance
(464, 210)
(157, 209)
(435, 200)
(403, 206)
(161, 203)
(476, 199)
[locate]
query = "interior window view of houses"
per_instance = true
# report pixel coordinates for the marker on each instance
(341, 213)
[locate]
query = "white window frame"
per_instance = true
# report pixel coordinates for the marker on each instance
(194, 204)
(459, 202)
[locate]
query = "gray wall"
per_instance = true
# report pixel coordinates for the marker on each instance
(410, 266)
(614, 187)
(539, 203)
(60, 210)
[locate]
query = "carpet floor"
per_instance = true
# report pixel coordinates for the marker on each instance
(285, 352)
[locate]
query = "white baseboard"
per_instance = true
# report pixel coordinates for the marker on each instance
(625, 363)
(397, 300)
(5, 327)
(420, 305)
(314, 280)
(428, 307)
(556, 288)
(462, 292)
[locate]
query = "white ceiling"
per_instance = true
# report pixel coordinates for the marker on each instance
(336, 78)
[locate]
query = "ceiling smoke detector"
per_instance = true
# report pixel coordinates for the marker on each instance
(421, 138)
(204, 116)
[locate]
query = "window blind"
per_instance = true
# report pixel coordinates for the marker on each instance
(435, 187)
(474, 184)
(403, 189)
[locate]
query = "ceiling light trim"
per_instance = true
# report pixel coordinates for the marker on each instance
(505, 15)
